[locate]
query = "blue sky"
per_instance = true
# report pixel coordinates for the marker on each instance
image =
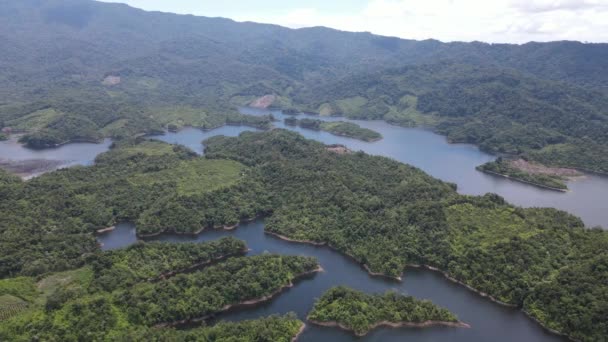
(500, 21)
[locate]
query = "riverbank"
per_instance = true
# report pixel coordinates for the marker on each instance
(29, 168)
(452, 279)
(431, 268)
(302, 328)
(426, 324)
(105, 230)
(314, 243)
(522, 181)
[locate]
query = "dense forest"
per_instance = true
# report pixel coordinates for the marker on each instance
(80, 70)
(385, 214)
(115, 71)
(388, 215)
(360, 312)
(113, 299)
(501, 110)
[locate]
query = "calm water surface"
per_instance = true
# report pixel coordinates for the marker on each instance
(63, 156)
(430, 152)
(450, 162)
(489, 321)
(456, 163)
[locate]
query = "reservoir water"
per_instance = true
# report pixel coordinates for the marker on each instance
(456, 163)
(30, 163)
(419, 147)
(424, 149)
(489, 321)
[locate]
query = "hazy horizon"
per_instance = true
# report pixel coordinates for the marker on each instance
(502, 21)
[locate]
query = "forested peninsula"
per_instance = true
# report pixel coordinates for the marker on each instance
(531, 173)
(121, 295)
(360, 313)
(364, 206)
(340, 128)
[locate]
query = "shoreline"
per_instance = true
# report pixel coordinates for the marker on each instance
(454, 280)
(431, 268)
(339, 134)
(105, 230)
(353, 137)
(523, 181)
(249, 302)
(388, 324)
(324, 244)
(302, 328)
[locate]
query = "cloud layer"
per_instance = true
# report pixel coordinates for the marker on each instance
(500, 21)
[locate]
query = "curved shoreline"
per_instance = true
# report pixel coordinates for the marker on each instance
(454, 280)
(431, 268)
(302, 328)
(248, 302)
(522, 181)
(324, 244)
(425, 324)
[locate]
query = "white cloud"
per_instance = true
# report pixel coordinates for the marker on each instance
(512, 21)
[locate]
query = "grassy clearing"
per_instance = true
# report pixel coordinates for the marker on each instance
(195, 176)
(352, 105)
(34, 121)
(21, 287)
(148, 148)
(484, 226)
(75, 278)
(181, 116)
(114, 127)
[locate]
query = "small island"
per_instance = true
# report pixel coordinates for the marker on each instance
(360, 313)
(340, 128)
(530, 173)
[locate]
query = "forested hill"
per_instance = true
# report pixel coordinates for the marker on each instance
(501, 110)
(67, 41)
(81, 69)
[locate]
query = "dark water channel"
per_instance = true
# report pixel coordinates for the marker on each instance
(489, 321)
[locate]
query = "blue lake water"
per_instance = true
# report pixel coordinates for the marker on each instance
(430, 152)
(13, 154)
(489, 321)
(456, 163)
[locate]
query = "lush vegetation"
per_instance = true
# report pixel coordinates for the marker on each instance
(383, 213)
(502, 111)
(46, 223)
(503, 167)
(115, 299)
(360, 312)
(388, 215)
(213, 289)
(270, 329)
(83, 70)
(132, 72)
(154, 260)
